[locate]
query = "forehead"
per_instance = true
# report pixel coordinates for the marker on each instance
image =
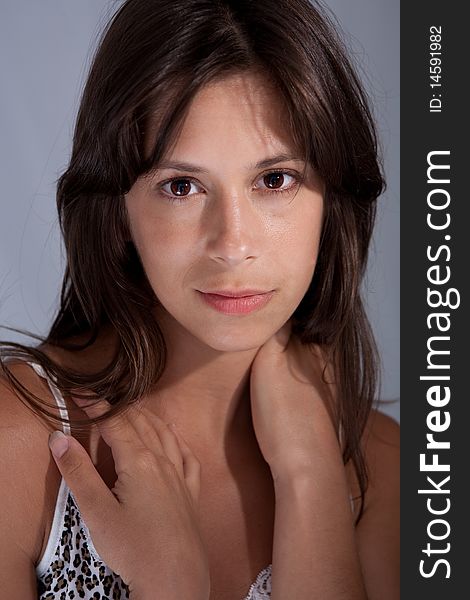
(249, 96)
(243, 111)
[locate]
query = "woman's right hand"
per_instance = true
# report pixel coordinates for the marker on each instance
(146, 528)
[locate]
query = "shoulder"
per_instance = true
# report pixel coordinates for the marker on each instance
(29, 478)
(380, 445)
(378, 531)
(381, 439)
(91, 358)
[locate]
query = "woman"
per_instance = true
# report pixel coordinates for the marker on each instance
(211, 362)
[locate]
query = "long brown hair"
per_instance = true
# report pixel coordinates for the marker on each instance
(153, 57)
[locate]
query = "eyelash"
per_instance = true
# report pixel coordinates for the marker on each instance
(180, 199)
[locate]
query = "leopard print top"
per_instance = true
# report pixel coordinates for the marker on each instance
(76, 571)
(71, 567)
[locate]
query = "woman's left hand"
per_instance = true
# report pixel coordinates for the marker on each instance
(291, 405)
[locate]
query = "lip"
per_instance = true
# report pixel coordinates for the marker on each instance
(236, 302)
(236, 293)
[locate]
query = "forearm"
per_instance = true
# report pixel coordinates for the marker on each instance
(314, 551)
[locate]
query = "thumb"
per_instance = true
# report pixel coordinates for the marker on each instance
(95, 500)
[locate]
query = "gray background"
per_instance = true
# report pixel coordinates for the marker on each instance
(45, 49)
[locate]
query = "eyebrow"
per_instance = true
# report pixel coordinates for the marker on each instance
(262, 164)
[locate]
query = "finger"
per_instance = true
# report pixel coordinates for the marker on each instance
(192, 466)
(116, 425)
(117, 431)
(95, 500)
(170, 444)
(156, 436)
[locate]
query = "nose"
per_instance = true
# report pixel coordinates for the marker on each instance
(233, 229)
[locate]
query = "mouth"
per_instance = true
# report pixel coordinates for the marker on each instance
(233, 302)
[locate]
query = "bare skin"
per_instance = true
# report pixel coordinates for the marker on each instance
(228, 233)
(376, 536)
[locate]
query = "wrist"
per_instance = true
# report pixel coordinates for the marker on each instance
(315, 459)
(297, 482)
(315, 484)
(317, 471)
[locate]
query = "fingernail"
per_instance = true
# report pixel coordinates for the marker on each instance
(58, 443)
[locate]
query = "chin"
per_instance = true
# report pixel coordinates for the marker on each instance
(235, 340)
(233, 343)
(221, 333)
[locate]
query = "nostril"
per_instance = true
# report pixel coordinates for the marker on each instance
(232, 259)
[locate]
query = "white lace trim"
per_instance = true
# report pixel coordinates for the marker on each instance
(261, 588)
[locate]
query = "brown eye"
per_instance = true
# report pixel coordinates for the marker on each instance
(180, 187)
(278, 182)
(273, 180)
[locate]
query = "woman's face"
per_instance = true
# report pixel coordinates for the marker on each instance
(227, 212)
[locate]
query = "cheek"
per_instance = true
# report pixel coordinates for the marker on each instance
(165, 253)
(298, 252)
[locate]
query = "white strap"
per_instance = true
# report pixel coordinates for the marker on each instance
(56, 393)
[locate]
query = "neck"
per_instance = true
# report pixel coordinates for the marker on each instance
(204, 391)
